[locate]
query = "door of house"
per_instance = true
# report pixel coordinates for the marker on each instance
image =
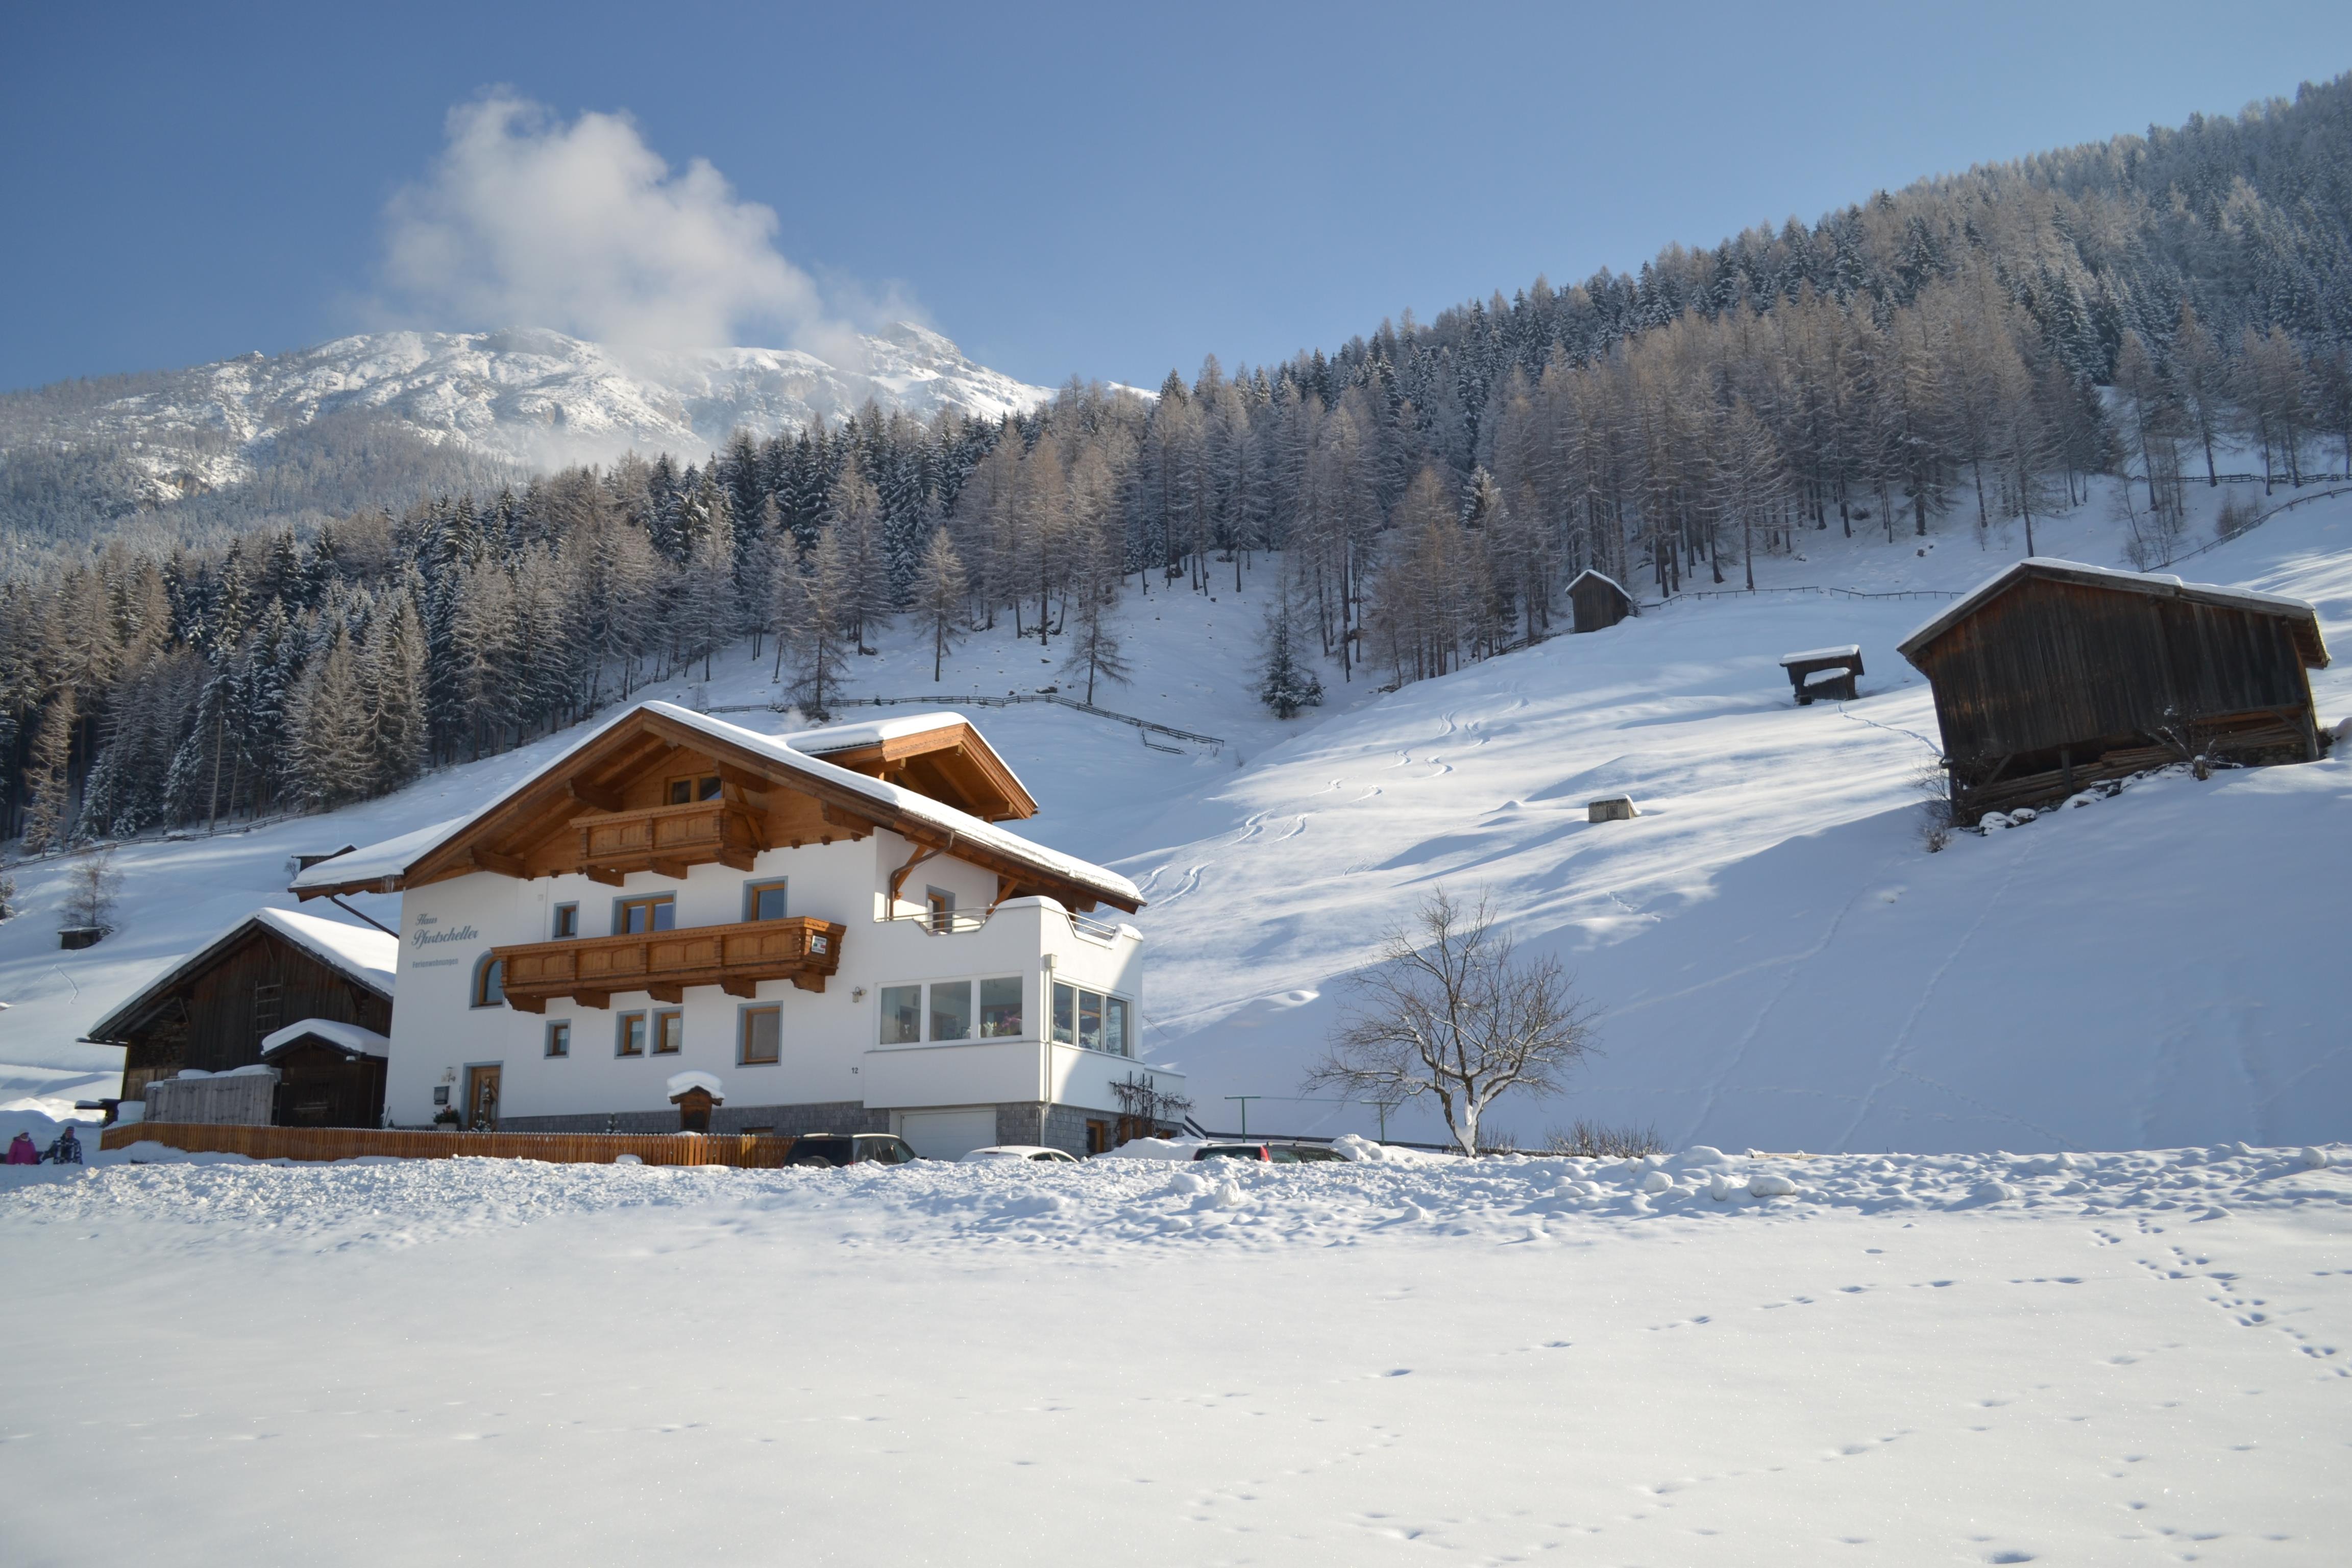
(482, 1100)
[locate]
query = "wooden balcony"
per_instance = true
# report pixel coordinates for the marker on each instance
(663, 964)
(668, 839)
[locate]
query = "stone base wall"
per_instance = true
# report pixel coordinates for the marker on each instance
(835, 1116)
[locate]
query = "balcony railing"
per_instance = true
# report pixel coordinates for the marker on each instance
(952, 922)
(668, 839)
(663, 964)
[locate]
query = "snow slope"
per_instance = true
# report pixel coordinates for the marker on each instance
(1778, 961)
(1959, 1360)
(536, 397)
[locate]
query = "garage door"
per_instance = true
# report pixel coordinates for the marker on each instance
(948, 1134)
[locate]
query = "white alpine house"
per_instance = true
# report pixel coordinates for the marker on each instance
(829, 924)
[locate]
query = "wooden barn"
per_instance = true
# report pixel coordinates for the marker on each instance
(1598, 601)
(232, 1000)
(2054, 675)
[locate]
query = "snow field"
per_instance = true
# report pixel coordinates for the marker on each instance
(1978, 1359)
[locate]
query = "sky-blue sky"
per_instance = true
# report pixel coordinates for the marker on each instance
(1101, 190)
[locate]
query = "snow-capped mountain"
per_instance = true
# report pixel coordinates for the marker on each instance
(527, 395)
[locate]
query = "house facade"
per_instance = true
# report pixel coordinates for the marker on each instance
(831, 924)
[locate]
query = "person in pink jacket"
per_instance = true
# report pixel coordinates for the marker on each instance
(21, 1150)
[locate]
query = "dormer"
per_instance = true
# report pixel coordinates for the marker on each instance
(938, 755)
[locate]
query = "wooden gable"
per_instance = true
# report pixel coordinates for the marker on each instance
(950, 765)
(653, 794)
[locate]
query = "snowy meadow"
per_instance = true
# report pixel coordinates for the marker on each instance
(1705, 1358)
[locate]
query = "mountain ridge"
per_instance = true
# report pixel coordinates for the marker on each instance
(526, 395)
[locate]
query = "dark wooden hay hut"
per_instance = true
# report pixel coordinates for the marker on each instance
(1598, 601)
(329, 1074)
(2054, 675)
(216, 1008)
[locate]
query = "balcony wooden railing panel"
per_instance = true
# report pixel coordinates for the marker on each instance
(668, 839)
(735, 958)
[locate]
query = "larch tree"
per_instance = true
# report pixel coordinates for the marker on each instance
(940, 590)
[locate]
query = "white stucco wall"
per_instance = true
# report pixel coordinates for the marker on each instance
(830, 1041)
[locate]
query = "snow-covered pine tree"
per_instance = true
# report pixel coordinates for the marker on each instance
(856, 508)
(1092, 594)
(329, 719)
(47, 782)
(1286, 682)
(398, 735)
(940, 590)
(817, 619)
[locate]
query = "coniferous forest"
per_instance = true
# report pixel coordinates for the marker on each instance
(1970, 350)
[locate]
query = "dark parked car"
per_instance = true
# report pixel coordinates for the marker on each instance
(851, 1148)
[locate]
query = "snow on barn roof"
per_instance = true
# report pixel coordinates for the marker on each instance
(359, 1042)
(2155, 585)
(1598, 577)
(1846, 650)
(392, 858)
(369, 957)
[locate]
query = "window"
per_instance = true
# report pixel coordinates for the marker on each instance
(669, 1032)
(940, 905)
(1090, 1019)
(999, 1008)
(489, 988)
(558, 1038)
(634, 917)
(631, 1039)
(763, 900)
(902, 1015)
(686, 791)
(763, 1031)
(566, 921)
(952, 1010)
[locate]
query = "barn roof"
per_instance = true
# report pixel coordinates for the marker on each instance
(2158, 586)
(367, 958)
(1598, 577)
(382, 866)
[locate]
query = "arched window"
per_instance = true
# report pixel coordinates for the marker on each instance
(489, 988)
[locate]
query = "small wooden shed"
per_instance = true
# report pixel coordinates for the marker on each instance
(2054, 675)
(214, 1009)
(331, 1074)
(1598, 601)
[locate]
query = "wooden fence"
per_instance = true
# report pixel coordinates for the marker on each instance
(740, 1150)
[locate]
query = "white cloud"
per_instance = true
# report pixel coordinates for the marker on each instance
(525, 220)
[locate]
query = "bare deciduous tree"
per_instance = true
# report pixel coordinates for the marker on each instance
(1451, 1011)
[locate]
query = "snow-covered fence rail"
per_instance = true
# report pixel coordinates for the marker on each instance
(2258, 520)
(742, 1150)
(1004, 701)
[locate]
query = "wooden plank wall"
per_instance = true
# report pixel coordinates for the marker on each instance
(2059, 664)
(740, 1150)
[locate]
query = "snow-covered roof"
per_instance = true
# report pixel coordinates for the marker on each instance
(394, 856)
(873, 732)
(1848, 650)
(2157, 584)
(1598, 577)
(365, 955)
(680, 1083)
(359, 1042)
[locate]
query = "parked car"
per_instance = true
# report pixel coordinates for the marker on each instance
(1305, 1154)
(1277, 1153)
(850, 1149)
(1042, 1155)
